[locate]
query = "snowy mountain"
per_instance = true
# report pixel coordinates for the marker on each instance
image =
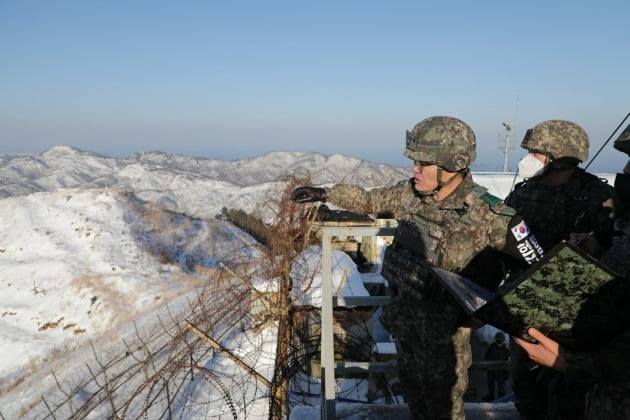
(94, 249)
(93, 246)
(195, 186)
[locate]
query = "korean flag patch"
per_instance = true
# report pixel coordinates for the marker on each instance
(520, 231)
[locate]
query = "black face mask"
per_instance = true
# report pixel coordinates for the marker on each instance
(622, 187)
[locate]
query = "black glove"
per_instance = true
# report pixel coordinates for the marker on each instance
(308, 194)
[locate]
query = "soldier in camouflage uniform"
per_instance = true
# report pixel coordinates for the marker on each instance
(448, 221)
(618, 256)
(622, 182)
(606, 371)
(561, 201)
(563, 198)
(609, 368)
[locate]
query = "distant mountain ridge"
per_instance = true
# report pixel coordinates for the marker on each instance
(85, 262)
(173, 180)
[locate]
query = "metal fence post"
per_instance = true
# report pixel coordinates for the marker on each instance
(327, 366)
(327, 339)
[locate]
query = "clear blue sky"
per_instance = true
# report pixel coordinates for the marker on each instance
(236, 79)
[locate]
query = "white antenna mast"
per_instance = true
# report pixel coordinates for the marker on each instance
(504, 143)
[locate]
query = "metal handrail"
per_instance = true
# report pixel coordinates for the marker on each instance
(327, 366)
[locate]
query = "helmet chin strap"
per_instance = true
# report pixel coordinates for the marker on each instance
(441, 183)
(426, 193)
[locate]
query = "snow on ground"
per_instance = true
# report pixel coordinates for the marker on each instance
(73, 267)
(81, 264)
(68, 261)
(346, 279)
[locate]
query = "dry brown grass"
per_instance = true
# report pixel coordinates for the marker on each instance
(50, 325)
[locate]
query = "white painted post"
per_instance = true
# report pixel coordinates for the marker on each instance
(328, 409)
(327, 339)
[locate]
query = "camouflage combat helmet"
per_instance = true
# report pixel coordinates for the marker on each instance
(445, 141)
(623, 141)
(557, 138)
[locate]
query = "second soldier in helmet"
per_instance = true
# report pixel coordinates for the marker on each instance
(559, 201)
(603, 369)
(448, 221)
(558, 197)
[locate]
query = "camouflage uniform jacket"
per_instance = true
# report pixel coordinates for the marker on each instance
(583, 204)
(433, 353)
(448, 233)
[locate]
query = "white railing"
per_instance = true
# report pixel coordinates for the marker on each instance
(328, 302)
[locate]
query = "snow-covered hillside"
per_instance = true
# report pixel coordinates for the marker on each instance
(195, 186)
(90, 245)
(78, 262)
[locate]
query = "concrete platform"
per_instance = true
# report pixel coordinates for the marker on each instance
(474, 411)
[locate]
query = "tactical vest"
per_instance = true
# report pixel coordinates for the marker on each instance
(439, 237)
(552, 213)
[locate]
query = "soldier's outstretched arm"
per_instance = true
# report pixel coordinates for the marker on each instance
(394, 199)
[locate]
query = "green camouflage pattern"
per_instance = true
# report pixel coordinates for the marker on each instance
(406, 272)
(461, 346)
(623, 141)
(447, 235)
(446, 141)
(558, 138)
(433, 353)
(562, 298)
(545, 393)
(583, 204)
(607, 370)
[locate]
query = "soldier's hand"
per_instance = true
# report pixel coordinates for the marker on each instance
(308, 194)
(586, 242)
(546, 351)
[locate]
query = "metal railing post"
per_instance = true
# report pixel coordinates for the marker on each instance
(327, 340)
(327, 357)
